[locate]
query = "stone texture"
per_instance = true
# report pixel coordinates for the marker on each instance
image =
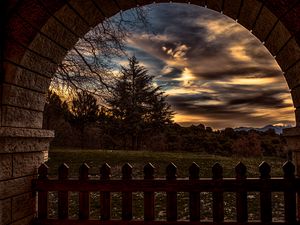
(21, 97)
(11, 145)
(231, 8)
(289, 55)
(5, 211)
(27, 163)
(23, 206)
(215, 5)
(19, 117)
(45, 66)
(297, 116)
(72, 21)
(292, 76)
(87, 10)
(24, 221)
(13, 187)
(277, 39)
(63, 34)
(249, 12)
(264, 24)
(108, 8)
(5, 166)
(54, 50)
(296, 96)
(25, 133)
(27, 79)
(13, 140)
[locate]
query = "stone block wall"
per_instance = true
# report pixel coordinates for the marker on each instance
(21, 153)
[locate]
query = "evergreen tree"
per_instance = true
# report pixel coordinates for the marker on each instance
(137, 105)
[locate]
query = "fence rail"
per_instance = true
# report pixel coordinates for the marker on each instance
(217, 185)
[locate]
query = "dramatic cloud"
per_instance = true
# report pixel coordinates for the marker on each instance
(214, 71)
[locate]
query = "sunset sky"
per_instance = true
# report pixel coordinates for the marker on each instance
(213, 70)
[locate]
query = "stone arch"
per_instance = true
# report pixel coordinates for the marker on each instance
(40, 32)
(60, 25)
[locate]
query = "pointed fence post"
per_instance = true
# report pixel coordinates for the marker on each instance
(172, 195)
(63, 196)
(149, 196)
(194, 203)
(218, 196)
(265, 194)
(105, 196)
(127, 196)
(43, 195)
(290, 192)
(84, 196)
(241, 194)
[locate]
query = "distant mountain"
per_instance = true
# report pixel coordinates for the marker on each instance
(278, 128)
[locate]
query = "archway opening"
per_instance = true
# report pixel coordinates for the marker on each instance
(41, 33)
(182, 53)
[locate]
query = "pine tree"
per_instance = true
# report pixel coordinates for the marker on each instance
(137, 105)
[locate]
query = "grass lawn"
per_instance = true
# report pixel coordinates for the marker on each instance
(116, 159)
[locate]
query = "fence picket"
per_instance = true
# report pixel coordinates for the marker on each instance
(194, 200)
(105, 196)
(43, 195)
(171, 208)
(290, 193)
(241, 194)
(149, 196)
(265, 194)
(84, 196)
(127, 196)
(63, 196)
(218, 196)
(265, 185)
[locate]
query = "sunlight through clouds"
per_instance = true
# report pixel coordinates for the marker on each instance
(213, 70)
(186, 77)
(239, 53)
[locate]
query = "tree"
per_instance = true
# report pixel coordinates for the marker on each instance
(136, 104)
(84, 111)
(54, 111)
(89, 64)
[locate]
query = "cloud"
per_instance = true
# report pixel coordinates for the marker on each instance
(212, 68)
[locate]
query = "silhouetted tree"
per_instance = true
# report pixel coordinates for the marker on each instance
(137, 105)
(84, 111)
(90, 63)
(54, 111)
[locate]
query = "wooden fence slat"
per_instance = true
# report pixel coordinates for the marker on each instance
(171, 208)
(127, 196)
(43, 195)
(194, 199)
(84, 196)
(289, 193)
(241, 195)
(265, 193)
(218, 196)
(149, 200)
(240, 185)
(105, 196)
(63, 196)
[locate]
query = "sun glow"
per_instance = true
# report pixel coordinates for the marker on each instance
(186, 77)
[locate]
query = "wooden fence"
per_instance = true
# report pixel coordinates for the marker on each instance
(289, 185)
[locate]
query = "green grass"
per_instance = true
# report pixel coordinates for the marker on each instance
(116, 159)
